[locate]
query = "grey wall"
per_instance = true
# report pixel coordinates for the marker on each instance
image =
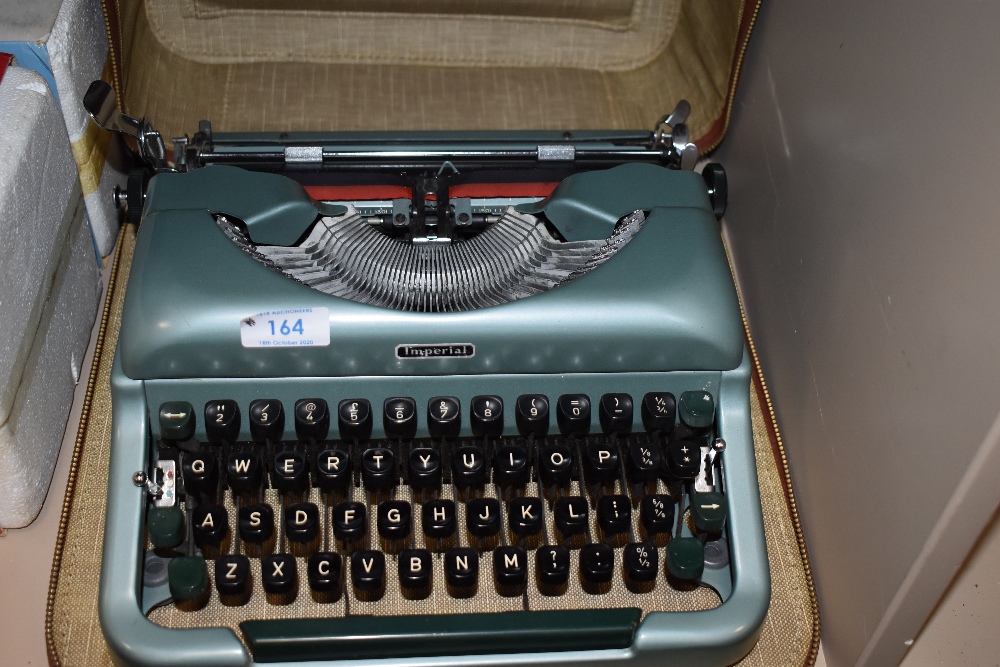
(863, 161)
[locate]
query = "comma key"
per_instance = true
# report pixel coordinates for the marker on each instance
(552, 569)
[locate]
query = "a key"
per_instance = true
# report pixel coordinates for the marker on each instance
(368, 574)
(444, 417)
(394, 519)
(659, 410)
(614, 514)
(256, 523)
(468, 465)
(378, 468)
(333, 469)
(525, 516)
(555, 465)
(486, 414)
(532, 414)
(232, 575)
(349, 521)
(424, 468)
(302, 522)
(290, 473)
(399, 417)
(354, 417)
(267, 420)
(210, 524)
(571, 515)
(573, 414)
(601, 459)
(510, 466)
(222, 421)
(244, 472)
(615, 413)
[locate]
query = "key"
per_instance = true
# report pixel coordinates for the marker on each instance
(232, 574)
(244, 473)
(424, 468)
(615, 413)
(597, 563)
(642, 561)
(571, 515)
(468, 465)
(222, 421)
(601, 460)
(657, 513)
(438, 518)
(378, 468)
(486, 415)
(573, 414)
(510, 567)
(333, 469)
(290, 473)
(709, 511)
(614, 514)
(525, 516)
(483, 516)
(683, 459)
(279, 574)
(556, 465)
(312, 419)
(394, 519)
(643, 461)
(177, 420)
(165, 526)
(552, 565)
(696, 409)
(209, 523)
(200, 473)
(415, 570)
(354, 417)
(510, 466)
(256, 523)
(302, 522)
(368, 574)
(267, 420)
(686, 558)
(188, 578)
(324, 572)
(532, 414)
(444, 417)
(461, 567)
(349, 521)
(399, 417)
(659, 410)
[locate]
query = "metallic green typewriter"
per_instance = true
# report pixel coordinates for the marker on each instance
(434, 399)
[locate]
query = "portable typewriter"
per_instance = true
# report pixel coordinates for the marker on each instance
(442, 398)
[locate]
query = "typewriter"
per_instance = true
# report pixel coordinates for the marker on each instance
(439, 398)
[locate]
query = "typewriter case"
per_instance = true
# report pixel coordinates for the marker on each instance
(291, 74)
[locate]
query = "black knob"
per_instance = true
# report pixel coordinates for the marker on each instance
(324, 572)
(312, 419)
(222, 421)
(444, 417)
(718, 188)
(354, 416)
(399, 417)
(659, 408)
(423, 467)
(532, 414)
(487, 415)
(573, 414)
(615, 413)
(267, 420)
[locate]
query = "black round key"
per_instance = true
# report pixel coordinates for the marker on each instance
(483, 516)
(378, 468)
(657, 513)
(399, 417)
(222, 421)
(368, 570)
(354, 417)
(278, 574)
(659, 409)
(200, 472)
(525, 516)
(267, 420)
(256, 523)
(597, 563)
(641, 561)
(573, 414)
(510, 465)
(614, 514)
(683, 460)
(532, 414)
(415, 569)
(601, 459)
(423, 468)
(552, 565)
(244, 472)
(486, 415)
(510, 566)
(324, 571)
(232, 574)
(615, 413)
(209, 523)
(290, 472)
(438, 518)
(349, 521)
(468, 465)
(302, 522)
(643, 460)
(333, 469)
(444, 417)
(312, 419)
(394, 519)
(461, 567)
(571, 515)
(555, 464)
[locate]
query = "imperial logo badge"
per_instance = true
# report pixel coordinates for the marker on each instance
(435, 351)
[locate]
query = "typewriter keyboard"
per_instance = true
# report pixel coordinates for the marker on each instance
(331, 522)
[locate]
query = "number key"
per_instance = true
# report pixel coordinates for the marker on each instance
(444, 416)
(222, 421)
(312, 419)
(267, 420)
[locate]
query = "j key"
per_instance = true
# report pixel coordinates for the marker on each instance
(597, 563)
(571, 515)
(483, 516)
(267, 420)
(683, 459)
(709, 511)
(657, 513)
(486, 415)
(686, 558)
(354, 418)
(368, 570)
(423, 468)
(525, 516)
(438, 518)
(324, 571)
(333, 469)
(532, 414)
(378, 468)
(642, 561)
(349, 521)
(278, 574)
(232, 574)
(399, 417)
(415, 569)
(468, 465)
(510, 466)
(290, 472)
(552, 565)
(461, 567)
(201, 475)
(222, 421)
(394, 519)
(444, 417)
(302, 522)
(614, 514)
(210, 523)
(312, 419)
(244, 472)
(573, 414)
(643, 460)
(615, 413)
(601, 460)
(697, 409)
(177, 420)
(555, 465)
(510, 566)
(659, 410)
(256, 523)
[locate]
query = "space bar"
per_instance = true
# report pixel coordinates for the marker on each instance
(358, 637)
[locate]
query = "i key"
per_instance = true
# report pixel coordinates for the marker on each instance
(510, 466)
